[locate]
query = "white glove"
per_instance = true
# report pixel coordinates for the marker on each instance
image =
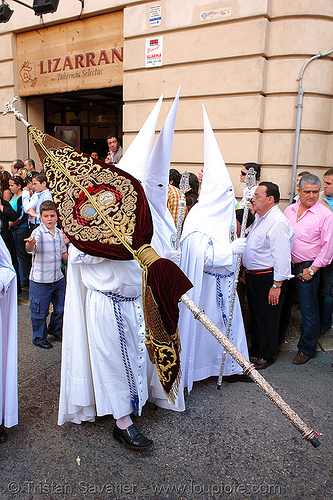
(238, 246)
(173, 255)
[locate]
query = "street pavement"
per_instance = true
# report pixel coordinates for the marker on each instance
(228, 444)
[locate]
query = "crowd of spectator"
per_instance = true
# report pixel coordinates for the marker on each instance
(288, 258)
(287, 261)
(36, 246)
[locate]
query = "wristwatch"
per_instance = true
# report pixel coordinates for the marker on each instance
(311, 271)
(276, 286)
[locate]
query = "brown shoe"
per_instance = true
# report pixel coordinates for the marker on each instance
(261, 364)
(301, 358)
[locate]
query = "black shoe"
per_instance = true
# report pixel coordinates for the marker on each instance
(132, 438)
(237, 378)
(3, 435)
(56, 337)
(44, 344)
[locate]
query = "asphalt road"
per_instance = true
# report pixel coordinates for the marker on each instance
(228, 444)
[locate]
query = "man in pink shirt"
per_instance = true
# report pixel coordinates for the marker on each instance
(312, 249)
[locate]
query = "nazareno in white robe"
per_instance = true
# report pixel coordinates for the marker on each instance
(8, 340)
(154, 175)
(93, 376)
(164, 235)
(93, 379)
(206, 245)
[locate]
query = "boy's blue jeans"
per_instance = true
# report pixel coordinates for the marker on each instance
(41, 295)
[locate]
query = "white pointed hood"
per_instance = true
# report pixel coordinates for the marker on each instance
(214, 214)
(136, 157)
(157, 181)
(157, 178)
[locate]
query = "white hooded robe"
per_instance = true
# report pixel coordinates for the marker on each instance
(209, 229)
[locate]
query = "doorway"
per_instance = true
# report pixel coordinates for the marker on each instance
(89, 116)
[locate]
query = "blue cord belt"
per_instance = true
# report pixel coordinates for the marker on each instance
(116, 299)
(219, 293)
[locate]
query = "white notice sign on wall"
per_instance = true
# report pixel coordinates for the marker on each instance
(155, 15)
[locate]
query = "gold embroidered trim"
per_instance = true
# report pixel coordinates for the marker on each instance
(161, 349)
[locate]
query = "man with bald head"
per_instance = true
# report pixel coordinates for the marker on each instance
(30, 165)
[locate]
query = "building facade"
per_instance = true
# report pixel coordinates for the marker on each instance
(93, 68)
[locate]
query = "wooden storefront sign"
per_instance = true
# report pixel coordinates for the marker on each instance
(78, 55)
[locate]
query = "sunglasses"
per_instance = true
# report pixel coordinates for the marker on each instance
(243, 173)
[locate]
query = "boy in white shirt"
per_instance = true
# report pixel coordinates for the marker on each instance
(47, 283)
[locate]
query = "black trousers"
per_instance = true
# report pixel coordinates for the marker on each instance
(265, 318)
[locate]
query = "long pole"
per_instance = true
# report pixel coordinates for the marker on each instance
(250, 181)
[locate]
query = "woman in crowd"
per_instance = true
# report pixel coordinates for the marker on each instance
(4, 185)
(193, 192)
(19, 228)
(7, 214)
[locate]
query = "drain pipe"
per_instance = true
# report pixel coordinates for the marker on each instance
(298, 123)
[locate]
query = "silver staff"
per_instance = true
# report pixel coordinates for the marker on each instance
(250, 181)
(10, 108)
(307, 433)
(183, 186)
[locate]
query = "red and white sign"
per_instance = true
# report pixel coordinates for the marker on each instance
(154, 52)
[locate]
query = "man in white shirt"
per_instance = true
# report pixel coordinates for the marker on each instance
(267, 260)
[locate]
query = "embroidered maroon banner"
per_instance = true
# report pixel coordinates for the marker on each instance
(90, 195)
